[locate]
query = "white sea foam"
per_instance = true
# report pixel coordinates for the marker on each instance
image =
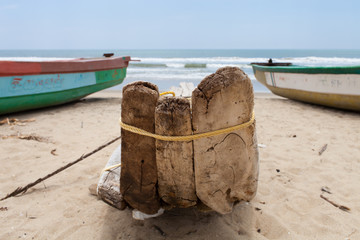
(180, 62)
(185, 89)
(167, 76)
(217, 66)
(174, 70)
(234, 60)
(175, 65)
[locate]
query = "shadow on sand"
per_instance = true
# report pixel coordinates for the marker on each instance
(181, 224)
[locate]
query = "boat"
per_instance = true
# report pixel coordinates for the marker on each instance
(337, 87)
(26, 85)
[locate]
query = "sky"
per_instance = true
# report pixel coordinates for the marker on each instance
(182, 24)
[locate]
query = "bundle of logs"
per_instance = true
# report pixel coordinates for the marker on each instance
(214, 172)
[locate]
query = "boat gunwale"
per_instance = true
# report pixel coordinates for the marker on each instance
(309, 69)
(21, 68)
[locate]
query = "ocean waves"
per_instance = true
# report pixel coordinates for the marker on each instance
(169, 68)
(195, 62)
(239, 61)
(148, 65)
(168, 72)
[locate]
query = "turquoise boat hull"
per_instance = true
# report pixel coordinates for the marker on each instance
(59, 83)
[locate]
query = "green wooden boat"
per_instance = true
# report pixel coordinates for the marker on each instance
(31, 85)
(337, 87)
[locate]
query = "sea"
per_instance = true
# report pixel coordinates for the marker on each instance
(171, 68)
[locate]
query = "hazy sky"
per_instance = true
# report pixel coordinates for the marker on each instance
(163, 24)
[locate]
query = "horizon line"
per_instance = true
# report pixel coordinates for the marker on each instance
(127, 49)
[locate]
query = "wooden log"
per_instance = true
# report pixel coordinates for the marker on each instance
(108, 187)
(176, 180)
(226, 166)
(138, 178)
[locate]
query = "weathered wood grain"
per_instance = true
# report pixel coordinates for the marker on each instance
(108, 188)
(138, 179)
(176, 182)
(226, 166)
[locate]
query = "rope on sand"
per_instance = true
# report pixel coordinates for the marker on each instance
(24, 189)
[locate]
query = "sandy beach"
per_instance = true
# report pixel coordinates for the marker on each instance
(295, 171)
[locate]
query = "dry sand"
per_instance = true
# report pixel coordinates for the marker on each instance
(287, 205)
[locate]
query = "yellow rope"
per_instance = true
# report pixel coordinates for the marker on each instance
(179, 138)
(168, 92)
(111, 167)
(119, 165)
(189, 137)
